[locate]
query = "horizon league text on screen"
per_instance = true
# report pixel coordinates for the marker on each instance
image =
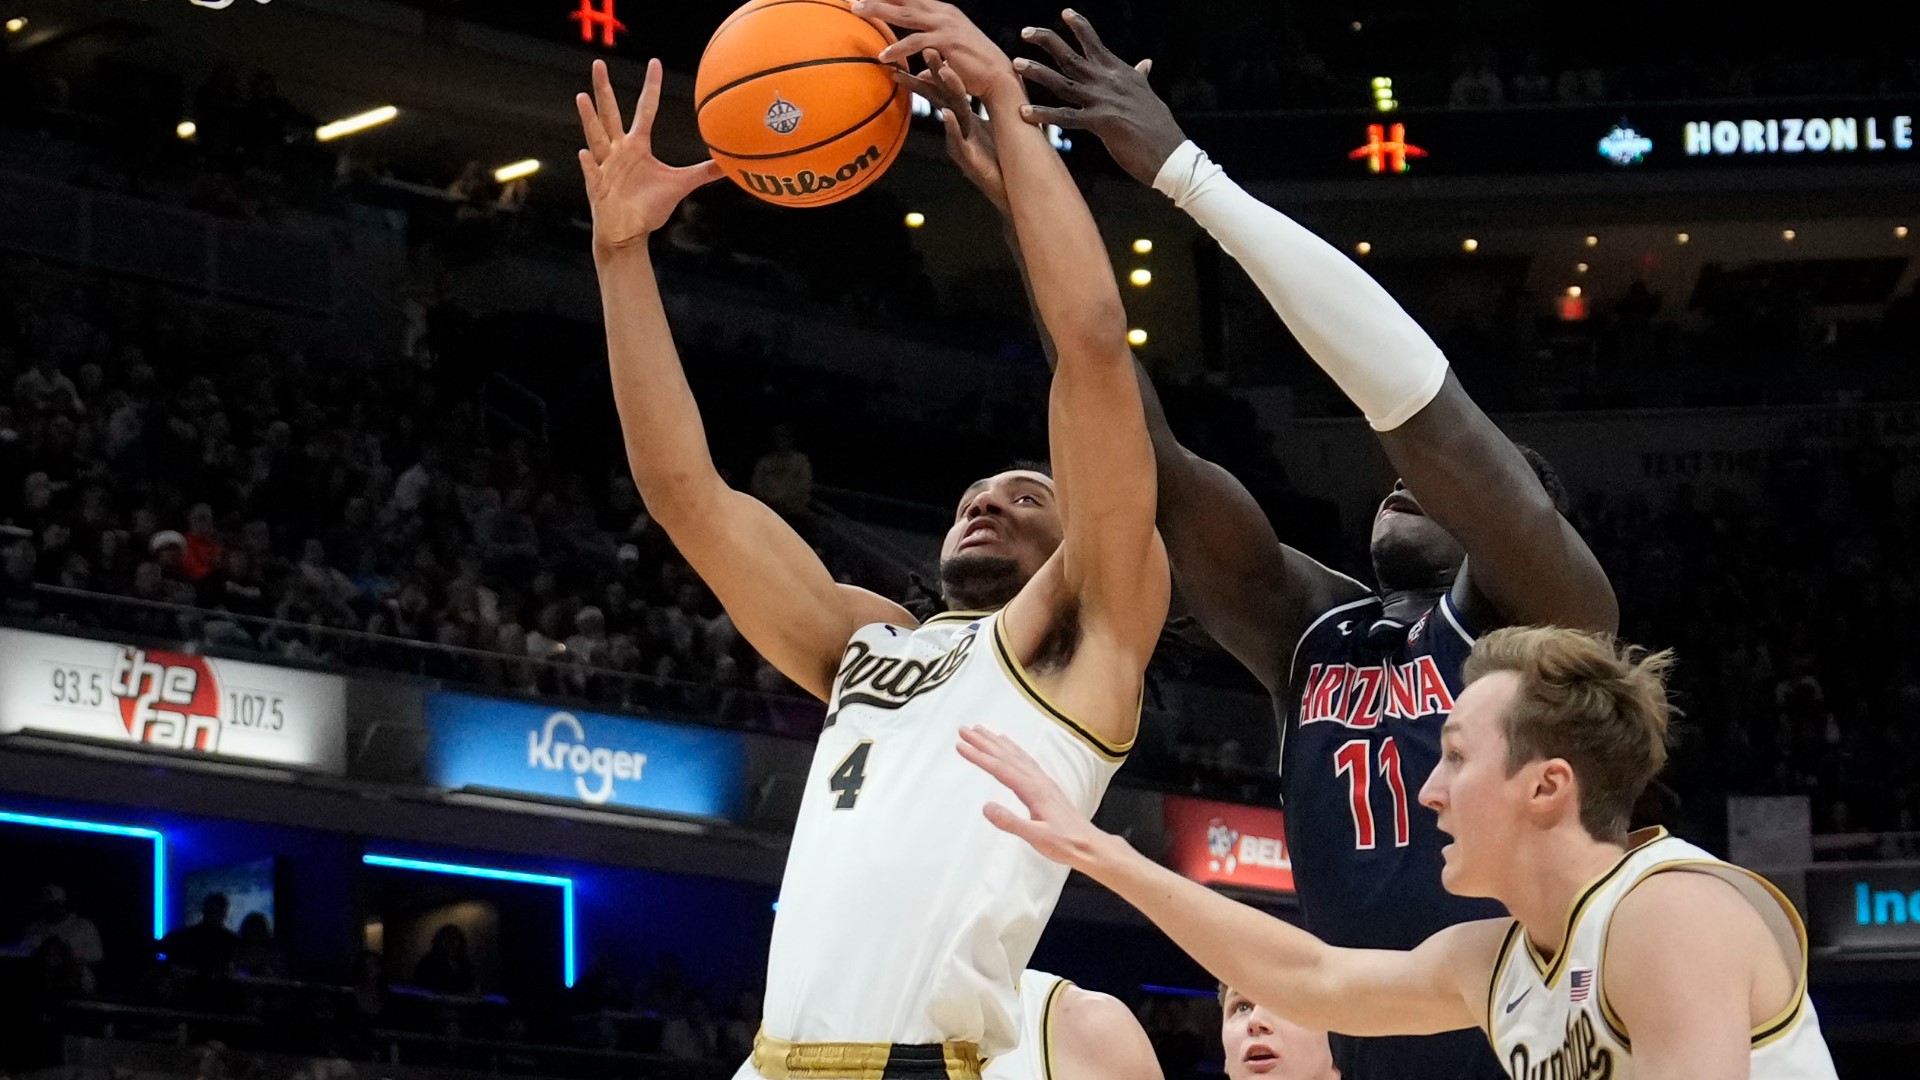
(1614, 139)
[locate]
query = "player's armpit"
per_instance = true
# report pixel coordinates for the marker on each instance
(1247, 590)
(1683, 954)
(774, 587)
(1526, 565)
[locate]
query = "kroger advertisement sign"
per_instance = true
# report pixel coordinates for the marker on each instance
(591, 758)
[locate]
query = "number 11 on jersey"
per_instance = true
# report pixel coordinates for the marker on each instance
(1351, 761)
(848, 779)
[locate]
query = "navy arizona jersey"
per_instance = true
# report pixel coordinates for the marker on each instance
(1360, 735)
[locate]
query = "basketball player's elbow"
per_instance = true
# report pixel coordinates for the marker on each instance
(676, 495)
(1092, 329)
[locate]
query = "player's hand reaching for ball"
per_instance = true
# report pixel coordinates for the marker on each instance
(945, 28)
(969, 138)
(1103, 94)
(631, 191)
(1053, 825)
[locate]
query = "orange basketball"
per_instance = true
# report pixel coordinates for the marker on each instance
(794, 103)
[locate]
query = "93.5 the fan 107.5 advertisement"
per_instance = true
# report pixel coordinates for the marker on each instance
(171, 700)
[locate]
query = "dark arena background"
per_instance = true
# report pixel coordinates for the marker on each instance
(330, 613)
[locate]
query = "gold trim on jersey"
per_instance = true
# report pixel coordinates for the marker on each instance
(778, 1059)
(1764, 1033)
(1499, 970)
(1018, 673)
(1060, 987)
(1550, 969)
(949, 616)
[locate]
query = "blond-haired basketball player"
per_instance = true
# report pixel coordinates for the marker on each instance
(1258, 1041)
(1626, 957)
(905, 920)
(1069, 1033)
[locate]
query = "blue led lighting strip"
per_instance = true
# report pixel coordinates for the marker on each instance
(109, 829)
(564, 884)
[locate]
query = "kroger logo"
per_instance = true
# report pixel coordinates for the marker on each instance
(546, 750)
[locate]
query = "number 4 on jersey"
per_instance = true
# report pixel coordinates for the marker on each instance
(850, 776)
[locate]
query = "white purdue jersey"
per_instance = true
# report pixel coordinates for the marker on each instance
(1033, 1058)
(905, 916)
(1552, 1019)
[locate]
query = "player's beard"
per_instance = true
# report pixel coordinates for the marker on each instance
(979, 582)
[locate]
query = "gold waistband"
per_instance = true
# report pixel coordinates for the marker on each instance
(778, 1059)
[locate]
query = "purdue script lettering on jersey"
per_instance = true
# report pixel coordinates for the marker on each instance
(1580, 1057)
(888, 682)
(1359, 697)
(806, 183)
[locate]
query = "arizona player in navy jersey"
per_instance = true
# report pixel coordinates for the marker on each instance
(1362, 676)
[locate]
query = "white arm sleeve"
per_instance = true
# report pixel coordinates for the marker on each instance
(1371, 347)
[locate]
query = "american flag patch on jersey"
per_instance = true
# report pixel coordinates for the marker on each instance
(1580, 983)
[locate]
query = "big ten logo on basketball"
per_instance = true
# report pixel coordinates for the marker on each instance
(545, 750)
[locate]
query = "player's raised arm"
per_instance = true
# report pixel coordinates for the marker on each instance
(1112, 563)
(771, 583)
(1251, 593)
(1526, 564)
(1440, 986)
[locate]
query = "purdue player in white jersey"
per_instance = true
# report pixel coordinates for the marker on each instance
(1068, 1033)
(905, 918)
(1627, 958)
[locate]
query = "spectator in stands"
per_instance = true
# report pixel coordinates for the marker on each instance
(204, 547)
(783, 477)
(691, 1034)
(81, 937)
(258, 953)
(1478, 86)
(207, 946)
(367, 1006)
(1532, 85)
(1582, 83)
(448, 966)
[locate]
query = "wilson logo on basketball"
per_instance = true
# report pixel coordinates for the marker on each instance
(806, 182)
(783, 116)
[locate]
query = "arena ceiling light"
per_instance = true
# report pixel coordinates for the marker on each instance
(1682, 238)
(103, 828)
(1469, 245)
(16, 24)
(1900, 232)
(1141, 277)
(1136, 338)
(186, 129)
(915, 219)
(564, 884)
(1143, 246)
(508, 173)
(1363, 248)
(354, 124)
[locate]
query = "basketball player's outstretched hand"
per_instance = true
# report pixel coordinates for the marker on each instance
(1103, 94)
(979, 62)
(631, 191)
(969, 138)
(1052, 824)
